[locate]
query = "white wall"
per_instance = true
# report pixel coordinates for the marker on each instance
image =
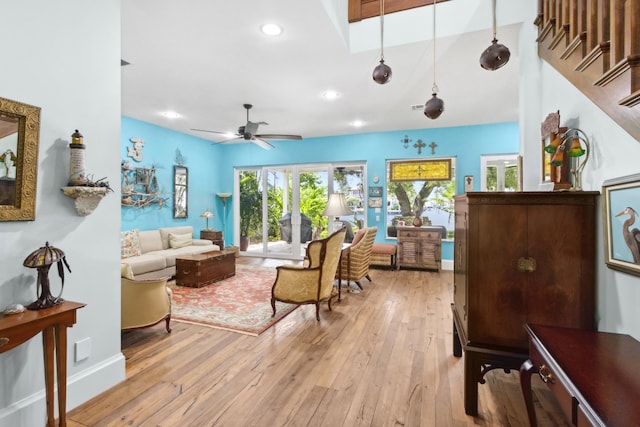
(64, 57)
(614, 154)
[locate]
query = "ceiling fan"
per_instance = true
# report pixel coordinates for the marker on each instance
(248, 133)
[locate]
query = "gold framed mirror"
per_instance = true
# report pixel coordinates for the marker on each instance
(19, 138)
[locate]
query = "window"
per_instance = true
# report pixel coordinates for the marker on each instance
(420, 188)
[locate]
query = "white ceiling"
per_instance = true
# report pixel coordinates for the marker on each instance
(205, 58)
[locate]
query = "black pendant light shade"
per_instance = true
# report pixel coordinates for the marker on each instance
(495, 56)
(382, 73)
(434, 107)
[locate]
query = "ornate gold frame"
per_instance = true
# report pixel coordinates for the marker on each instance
(24, 208)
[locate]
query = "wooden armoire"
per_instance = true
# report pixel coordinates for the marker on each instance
(519, 257)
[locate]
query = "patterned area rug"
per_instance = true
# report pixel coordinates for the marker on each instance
(241, 303)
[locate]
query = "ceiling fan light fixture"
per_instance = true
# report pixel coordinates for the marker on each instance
(434, 107)
(495, 56)
(382, 73)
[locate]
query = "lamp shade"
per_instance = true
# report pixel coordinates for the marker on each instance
(337, 206)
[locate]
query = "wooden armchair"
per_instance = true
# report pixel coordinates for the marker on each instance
(312, 283)
(144, 302)
(356, 265)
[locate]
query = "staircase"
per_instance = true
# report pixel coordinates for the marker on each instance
(595, 44)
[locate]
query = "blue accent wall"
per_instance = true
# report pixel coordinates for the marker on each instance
(211, 166)
(160, 145)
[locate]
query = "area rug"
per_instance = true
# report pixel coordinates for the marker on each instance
(241, 303)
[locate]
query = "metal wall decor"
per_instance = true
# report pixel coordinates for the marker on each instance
(135, 152)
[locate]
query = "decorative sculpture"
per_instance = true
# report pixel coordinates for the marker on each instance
(42, 259)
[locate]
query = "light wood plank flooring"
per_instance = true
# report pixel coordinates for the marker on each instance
(382, 357)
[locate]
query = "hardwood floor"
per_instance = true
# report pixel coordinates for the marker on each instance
(382, 357)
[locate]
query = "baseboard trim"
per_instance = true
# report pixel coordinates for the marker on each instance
(81, 387)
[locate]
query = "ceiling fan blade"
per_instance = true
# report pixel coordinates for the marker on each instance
(262, 144)
(234, 140)
(278, 136)
(210, 131)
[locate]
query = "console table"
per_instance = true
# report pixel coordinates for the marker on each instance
(53, 322)
(594, 375)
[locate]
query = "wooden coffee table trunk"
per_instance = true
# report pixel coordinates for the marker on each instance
(202, 269)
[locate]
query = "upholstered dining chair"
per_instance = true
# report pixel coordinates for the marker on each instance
(144, 302)
(356, 266)
(313, 282)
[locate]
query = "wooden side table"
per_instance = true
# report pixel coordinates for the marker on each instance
(53, 322)
(215, 236)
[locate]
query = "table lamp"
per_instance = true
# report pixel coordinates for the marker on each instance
(337, 206)
(207, 214)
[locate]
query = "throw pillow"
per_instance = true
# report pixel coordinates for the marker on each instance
(180, 240)
(126, 271)
(359, 236)
(129, 244)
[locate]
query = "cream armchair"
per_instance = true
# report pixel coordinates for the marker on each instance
(144, 302)
(312, 283)
(356, 266)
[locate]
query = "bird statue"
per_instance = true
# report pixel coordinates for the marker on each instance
(631, 237)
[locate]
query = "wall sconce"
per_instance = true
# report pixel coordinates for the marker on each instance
(575, 144)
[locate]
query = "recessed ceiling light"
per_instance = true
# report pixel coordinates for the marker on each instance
(271, 29)
(357, 123)
(170, 114)
(330, 95)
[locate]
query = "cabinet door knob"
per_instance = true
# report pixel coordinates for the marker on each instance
(527, 264)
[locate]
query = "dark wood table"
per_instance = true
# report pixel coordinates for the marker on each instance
(53, 322)
(594, 375)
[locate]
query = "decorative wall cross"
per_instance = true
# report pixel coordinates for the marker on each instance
(433, 146)
(419, 145)
(405, 141)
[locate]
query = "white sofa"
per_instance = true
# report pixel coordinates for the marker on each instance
(152, 254)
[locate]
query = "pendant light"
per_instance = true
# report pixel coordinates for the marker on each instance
(496, 55)
(382, 72)
(435, 106)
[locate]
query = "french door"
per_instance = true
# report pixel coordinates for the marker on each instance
(280, 208)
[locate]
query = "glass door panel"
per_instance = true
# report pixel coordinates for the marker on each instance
(349, 180)
(251, 202)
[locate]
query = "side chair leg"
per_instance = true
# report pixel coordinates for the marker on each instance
(168, 321)
(368, 277)
(273, 306)
(318, 311)
(359, 285)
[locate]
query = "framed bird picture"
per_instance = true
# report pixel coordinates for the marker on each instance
(621, 217)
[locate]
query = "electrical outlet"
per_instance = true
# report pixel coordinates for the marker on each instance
(377, 218)
(83, 349)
